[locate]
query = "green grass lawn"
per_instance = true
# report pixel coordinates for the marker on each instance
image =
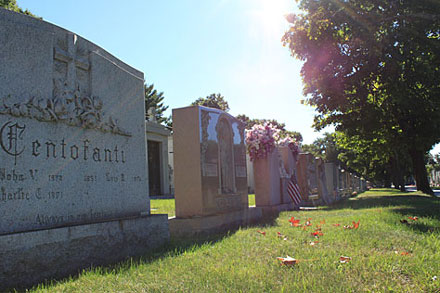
(167, 206)
(386, 255)
(163, 206)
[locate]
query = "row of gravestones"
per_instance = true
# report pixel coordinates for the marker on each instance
(211, 188)
(73, 173)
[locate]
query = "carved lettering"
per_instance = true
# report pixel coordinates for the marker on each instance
(97, 155)
(56, 178)
(33, 173)
(55, 194)
(109, 153)
(90, 178)
(11, 175)
(52, 145)
(86, 147)
(10, 135)
(35, 146)
(49, 220)
(74, 152)
(116, 154)
(17, 195)
(56, 150)
(63, 152)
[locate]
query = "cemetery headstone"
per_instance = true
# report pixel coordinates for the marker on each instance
(322, 181)
(72, 147)
(209, 162)
(267, 176)
(307, 177)
(331, 171)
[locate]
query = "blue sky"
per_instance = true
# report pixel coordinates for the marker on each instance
(192, 48)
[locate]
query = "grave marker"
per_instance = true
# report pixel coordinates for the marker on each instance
(73, 179)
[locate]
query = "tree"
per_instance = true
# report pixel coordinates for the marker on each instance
(374, 159)
(213, 101)
(12, 5)
(154, 105)
(368, 56)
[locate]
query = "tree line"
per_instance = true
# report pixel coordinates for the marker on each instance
(372, 69)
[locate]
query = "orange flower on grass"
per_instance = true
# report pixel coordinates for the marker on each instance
(287, 261)
(344, 259)
(356, 225)
(261, 232)
(294, 223)
(317, 233)
(414, 218)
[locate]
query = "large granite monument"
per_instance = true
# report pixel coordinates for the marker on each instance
(73, 178)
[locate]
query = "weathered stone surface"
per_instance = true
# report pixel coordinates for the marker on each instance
(72, 131)
(209, 162)
(31, 257)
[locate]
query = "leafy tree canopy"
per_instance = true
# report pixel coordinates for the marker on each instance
(12, 5)
(154, 105)
(366, 57)
(213, 101)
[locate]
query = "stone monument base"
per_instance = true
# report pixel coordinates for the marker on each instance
(31, 257)
(275, 210)
(196, 226)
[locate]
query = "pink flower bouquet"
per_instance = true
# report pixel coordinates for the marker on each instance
(261, 140)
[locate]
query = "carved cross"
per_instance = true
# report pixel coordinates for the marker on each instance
(73, 61)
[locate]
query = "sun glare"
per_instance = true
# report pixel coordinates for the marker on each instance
(270, 15)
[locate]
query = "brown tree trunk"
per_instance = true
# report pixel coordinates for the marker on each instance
(397, 170)
(420, 173)
(394, 171)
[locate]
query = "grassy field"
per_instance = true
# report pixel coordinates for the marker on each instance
(163, 206)
(389, 253)
(166, 206)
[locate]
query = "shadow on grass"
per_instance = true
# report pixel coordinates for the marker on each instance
(175, 247)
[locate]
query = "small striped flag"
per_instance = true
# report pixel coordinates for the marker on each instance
(294, 191)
